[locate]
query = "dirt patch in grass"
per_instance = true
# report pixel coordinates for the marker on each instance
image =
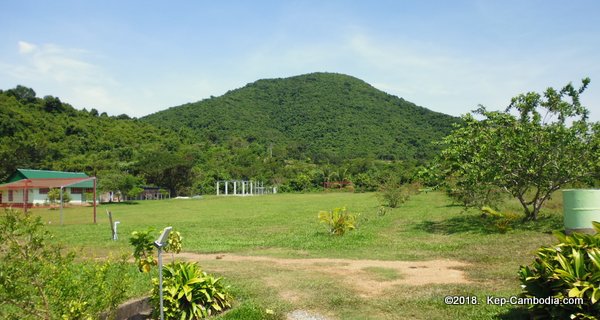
(356, 274)
(382, 274)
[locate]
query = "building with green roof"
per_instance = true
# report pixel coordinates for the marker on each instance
(32, 186)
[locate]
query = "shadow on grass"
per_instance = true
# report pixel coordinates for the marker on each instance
(475, 223)
(514, 314)
(451, 205)
(122, 203)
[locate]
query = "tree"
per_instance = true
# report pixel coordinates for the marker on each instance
(167, 169)
(54, 196)
(23, 94)
(53, 104)
(134, 192)
(533, 148)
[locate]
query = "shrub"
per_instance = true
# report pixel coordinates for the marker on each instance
(381, 211)
(500, 221)
(189, 293)
(38, 280)
(569, 269)
(143, 247)
(393, 194)
(54, 196)
(302, 182)
(338, 221)
(89, 197)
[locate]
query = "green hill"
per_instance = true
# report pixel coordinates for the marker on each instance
(324, 116)
(297, 133)
(45, 133)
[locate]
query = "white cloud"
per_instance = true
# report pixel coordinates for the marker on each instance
(64, 65)
(26, 47)
(68, 73)
(452, 80)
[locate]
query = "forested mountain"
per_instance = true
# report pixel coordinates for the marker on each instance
(324, 116)
(44, 133)
(296, 133)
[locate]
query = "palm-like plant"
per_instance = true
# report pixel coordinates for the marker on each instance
(571, 269)
(189, 293)
(338, 220)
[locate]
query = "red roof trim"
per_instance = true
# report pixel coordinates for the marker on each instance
(43, 183)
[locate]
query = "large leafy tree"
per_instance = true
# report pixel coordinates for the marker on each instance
(537, 145)
(166, 169)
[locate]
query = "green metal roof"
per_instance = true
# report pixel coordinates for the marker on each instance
(21, 174)
(85, 184)
(44, 174)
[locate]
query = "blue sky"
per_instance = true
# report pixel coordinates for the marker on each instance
(139, 57)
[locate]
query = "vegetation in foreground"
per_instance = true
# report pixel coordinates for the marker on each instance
(568, 270)
(188, 292)
(39, 280)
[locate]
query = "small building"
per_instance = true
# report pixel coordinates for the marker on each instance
(31, 187)
(152, 193)
(148, 193)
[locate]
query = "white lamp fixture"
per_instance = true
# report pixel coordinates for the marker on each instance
(160, 243)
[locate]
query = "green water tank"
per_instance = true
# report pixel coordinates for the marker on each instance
(581, 207)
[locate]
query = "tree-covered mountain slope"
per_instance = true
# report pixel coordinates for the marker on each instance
(324, 116)
(45, 133)
(297, 133)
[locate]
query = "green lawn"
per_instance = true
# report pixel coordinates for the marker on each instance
(428, 227)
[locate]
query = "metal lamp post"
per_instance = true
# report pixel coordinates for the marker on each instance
(115, 235)
(159, 244)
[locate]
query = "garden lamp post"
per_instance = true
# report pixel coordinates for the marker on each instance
(115, 236)
(159, 244)
(61, 205)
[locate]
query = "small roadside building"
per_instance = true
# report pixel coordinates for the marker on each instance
(27, 187)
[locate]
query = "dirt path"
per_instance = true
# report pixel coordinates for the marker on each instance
(413, 273)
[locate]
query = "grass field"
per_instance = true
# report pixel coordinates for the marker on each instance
(428, 227)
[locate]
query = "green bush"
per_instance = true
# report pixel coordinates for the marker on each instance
(39, 281)
(338, 221)
(189, 293)
(53, 196)
(570, 269)
(500, 221)
(393, 194)
(143, 247)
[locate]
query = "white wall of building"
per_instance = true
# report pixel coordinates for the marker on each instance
(35, 197)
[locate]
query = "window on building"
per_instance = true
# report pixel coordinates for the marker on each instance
(76, 190)
(44, 190)
(10, 195)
